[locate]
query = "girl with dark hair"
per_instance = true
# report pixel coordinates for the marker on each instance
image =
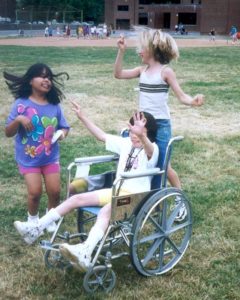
(37, 122)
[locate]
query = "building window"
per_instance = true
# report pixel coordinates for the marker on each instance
(187, 18)
(148, 2)
(122, 7)
(143, 19)
(122, 23)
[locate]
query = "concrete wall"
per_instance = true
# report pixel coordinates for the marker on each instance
(220, 14)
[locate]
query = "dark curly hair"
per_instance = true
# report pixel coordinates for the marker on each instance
(151, 125)
(20, 86)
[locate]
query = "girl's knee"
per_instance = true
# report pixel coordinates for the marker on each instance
(55, 196)
(35, 193)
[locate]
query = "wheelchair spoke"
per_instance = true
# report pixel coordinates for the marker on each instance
(178, 227)
(148, 238)
(151, 251)
(155, 223)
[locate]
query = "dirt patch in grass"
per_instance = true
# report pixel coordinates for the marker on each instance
(111, 42)
(203, 122)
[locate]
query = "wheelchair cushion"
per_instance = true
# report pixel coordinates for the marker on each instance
(92, 209)
(101, 181)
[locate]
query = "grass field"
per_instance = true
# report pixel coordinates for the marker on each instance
(207, 162)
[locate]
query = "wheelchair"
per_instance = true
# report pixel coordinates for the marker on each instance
(143, 226)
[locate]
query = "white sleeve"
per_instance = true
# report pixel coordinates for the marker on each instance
(152, 162)
(115, 143)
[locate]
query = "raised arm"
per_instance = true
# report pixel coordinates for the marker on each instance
(170, 77)
(93, 129)
(118, 70)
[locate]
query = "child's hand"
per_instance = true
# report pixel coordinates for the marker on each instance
(139, 124)
(121, 43)
(77, 109)
(25, 122)
(198, 100)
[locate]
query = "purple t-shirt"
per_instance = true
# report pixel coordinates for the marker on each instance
(34, 149)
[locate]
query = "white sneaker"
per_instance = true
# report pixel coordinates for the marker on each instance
(29, 231)
(182, 211)
(51, 227)
(78, 255)
(34, 222)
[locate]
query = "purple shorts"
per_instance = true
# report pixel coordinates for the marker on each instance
(48, 169)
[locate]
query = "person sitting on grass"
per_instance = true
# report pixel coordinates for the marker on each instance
(137, 152)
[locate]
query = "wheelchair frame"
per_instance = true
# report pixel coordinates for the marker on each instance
(144, 222)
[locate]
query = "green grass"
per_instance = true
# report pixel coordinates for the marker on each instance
(207, 162)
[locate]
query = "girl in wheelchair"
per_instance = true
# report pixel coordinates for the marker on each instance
(137, 152)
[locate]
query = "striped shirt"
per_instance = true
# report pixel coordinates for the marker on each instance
(153, 95)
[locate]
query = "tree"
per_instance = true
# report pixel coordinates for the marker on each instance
(93, 10)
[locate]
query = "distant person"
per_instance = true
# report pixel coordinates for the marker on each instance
(212, 35)
(77, 32)
(233, 34)
(58, 32)
(50, 31)
(21, 32)
(92, 30)
(68, 31)
(104, 30)
(46, 31)
(34, 118)
(176, 29)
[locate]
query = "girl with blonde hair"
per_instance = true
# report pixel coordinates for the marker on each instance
(157, 49)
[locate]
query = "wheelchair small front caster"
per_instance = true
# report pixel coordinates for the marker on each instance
(54, 259)
(99, 278)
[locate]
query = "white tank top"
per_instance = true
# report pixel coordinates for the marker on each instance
(153, 95)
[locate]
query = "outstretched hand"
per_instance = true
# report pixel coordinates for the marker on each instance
(77, 109)
(121, 43)
(198, 100)
(139, 123)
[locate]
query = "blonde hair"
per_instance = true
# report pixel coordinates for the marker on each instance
(161, 45)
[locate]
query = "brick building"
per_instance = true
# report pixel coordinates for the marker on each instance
(7, 8)
(195, 15)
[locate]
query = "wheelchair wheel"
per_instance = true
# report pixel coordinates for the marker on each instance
(159, 241)
(99, 278)
(54, 259)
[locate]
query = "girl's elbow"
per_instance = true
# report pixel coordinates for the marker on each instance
(8, 134)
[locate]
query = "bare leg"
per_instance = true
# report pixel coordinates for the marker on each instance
(79, 200)
(34, 189)
(52, 184)
(173, 177)
(103, 217)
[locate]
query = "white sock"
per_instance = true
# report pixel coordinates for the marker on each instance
(51, 216)
(32, 218)
(95, 235)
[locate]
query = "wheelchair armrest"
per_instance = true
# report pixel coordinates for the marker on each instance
(135, 174)
(176, 139)
(96, 159)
